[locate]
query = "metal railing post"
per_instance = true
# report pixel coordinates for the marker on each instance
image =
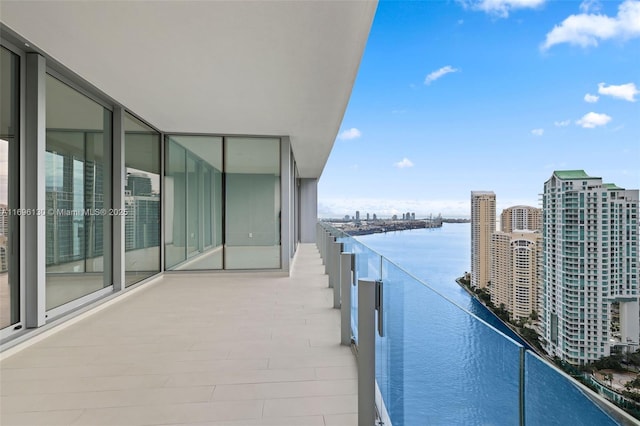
(327, 249)
(366, 352)
(335, 279)
(323, 244)
(331, 262)
(346, 279)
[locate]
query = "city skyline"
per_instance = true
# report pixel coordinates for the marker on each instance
(459, 96)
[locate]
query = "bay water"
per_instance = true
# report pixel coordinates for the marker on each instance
(440, 364)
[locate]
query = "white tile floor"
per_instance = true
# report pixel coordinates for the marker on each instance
(197, 349)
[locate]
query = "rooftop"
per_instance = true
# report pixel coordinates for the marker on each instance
(572, 174)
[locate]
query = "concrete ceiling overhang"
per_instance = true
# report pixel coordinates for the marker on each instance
(281, 68)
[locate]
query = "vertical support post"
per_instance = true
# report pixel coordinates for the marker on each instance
(366, 352)
(34, 226)
(337, 250)
(346, 279)
(285, 204)
(323, 242)
(522, 386)
(119, 172)
(327, 253)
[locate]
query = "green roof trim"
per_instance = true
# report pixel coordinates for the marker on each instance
(572, 174)
(612, 186)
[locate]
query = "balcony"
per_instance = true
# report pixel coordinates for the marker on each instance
(242, 349)
(264, 349)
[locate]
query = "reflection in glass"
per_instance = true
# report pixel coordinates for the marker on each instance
(193, 202)
(252, 176)
(141, 201)
(9, 283)
(78, 197)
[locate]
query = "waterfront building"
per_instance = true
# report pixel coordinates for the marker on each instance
(515, 261)
(590, 260)
(483, 225)
(515, 267)
(521, 217)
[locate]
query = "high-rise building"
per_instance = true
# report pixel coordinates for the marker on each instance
(521, 217)
(515, 263)
(483, 225)
(590, 260)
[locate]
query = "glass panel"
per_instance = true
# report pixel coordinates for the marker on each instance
(175, 204)
(78, 174)
(368, 265)
(252, 171)
(9, 160)
(543, 407)
(193, 197)
(426, 362)
(141, 200)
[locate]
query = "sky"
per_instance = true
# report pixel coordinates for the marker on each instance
(462, 95)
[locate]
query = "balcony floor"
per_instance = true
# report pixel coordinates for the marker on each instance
(197, 349)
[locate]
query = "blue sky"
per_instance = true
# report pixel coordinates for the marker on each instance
(461, 95)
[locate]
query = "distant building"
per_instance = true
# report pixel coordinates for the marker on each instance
(138, 184)
(413, 216)
(143, 213)
(357, 215)
(521, 217)
(590, 259)
(394, 217)
(483, 225)
(515, 270)
(367, 216)
(4, 220)
(375, 217)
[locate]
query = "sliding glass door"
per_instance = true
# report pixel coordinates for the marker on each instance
(193, 203)
(141, 200)
(222, 214)
(78, 196)
(10, 299)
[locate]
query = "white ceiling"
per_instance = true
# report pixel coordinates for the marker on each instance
(227, 67)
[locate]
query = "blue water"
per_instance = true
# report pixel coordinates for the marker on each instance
(438, 365)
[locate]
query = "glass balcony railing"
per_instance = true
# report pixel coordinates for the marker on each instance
(438, 364)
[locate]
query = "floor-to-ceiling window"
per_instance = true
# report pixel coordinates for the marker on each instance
(78, 196)
(9, 160)
(193, 203)
(141, 200)
(222, 214)
(252, 189)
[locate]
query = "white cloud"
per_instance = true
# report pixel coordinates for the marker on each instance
(501, 8)
(587, 29)
(405, 162)
(439, 73)
(588, 6)
(563, 123)
(593, 119)
(349, 134)
(627, 91)
(592, 99)
(537, 132)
